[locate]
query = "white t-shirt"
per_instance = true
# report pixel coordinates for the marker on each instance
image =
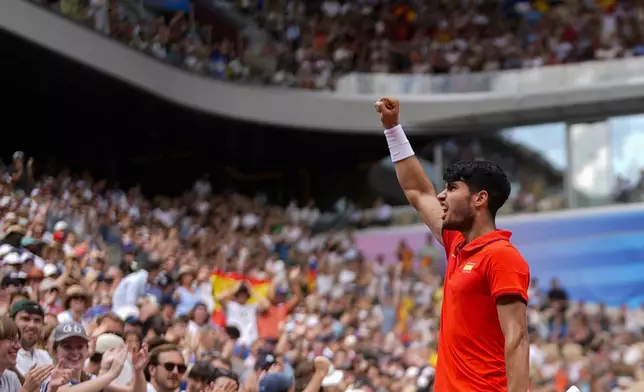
(26, 360)
(244, 317)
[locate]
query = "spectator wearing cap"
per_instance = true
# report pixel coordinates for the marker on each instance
(276, 382)
(9, 347)
(14, 282)
(134, 285)
(76, 303)
(29, 316)
(70, 350)
(58, 234)
(186, 295)
(165, 369)
(51, 271)
(12, 261)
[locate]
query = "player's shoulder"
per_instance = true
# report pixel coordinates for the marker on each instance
(505, 252)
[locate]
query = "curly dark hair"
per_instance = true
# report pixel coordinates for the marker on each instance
(482, 176)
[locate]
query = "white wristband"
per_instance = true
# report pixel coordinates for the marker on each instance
(399, 147)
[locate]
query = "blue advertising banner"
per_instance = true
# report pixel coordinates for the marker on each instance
(172, 5)
(597, 254)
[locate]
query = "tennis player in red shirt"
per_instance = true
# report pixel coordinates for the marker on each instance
(483, 344)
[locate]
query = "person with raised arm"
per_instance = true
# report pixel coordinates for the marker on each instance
(483, 339)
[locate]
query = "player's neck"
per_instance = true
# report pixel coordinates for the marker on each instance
(478, 229)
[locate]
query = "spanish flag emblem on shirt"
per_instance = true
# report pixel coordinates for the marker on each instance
(226, 281)
(468, 267)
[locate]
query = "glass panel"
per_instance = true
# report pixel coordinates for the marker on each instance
(627, 135)
(534, 157)
(532, 80)
(591, 164)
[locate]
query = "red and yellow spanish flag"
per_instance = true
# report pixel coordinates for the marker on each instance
(312, 275)
(404, 309)
(226, 281)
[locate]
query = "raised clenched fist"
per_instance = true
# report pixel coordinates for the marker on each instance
(389, 109)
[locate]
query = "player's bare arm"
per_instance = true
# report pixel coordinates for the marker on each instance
(417, 187)
(512, 317)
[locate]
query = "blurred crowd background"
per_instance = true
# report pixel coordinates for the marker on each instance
(243, 285)
(238, 273)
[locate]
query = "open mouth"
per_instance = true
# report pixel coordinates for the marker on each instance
(444, 212)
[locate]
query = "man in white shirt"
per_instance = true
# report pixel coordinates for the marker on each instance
(240, 313)
(134, 285)
(29, 316)
(166, 369)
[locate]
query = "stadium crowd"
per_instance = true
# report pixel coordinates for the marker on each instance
(167, 36)
(224, 292)
(316, 42)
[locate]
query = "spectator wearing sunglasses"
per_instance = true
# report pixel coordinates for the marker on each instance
(165, 369)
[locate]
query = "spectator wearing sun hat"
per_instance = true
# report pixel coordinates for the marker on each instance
(49, 294)
(76, 303)
(186, 295)
(13, 235)
(103, 343)
(6, 249)
(12, 259)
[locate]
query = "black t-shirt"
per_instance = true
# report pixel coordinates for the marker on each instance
(23, 183)
(557, 295)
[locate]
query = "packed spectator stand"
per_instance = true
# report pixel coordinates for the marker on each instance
(311, 44)
(81, 249)
(183, 271)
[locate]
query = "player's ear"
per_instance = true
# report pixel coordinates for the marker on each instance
(480, 198)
